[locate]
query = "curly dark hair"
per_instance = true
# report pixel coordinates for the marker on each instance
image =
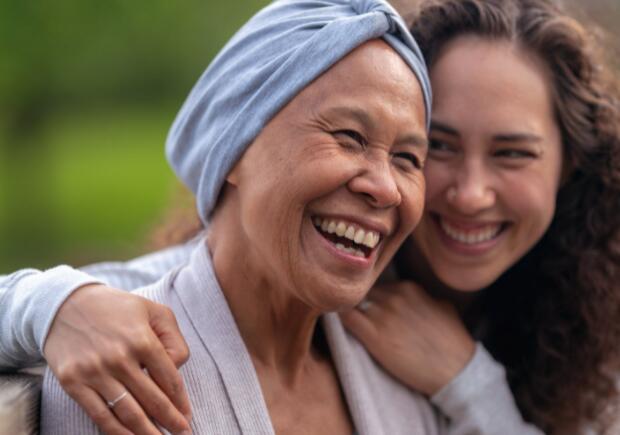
(553, 319)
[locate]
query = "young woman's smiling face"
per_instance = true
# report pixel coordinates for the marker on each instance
(494, 164)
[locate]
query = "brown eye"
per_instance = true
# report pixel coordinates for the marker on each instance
(514, 153)
(438, 146)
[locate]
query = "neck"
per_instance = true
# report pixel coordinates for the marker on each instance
(278, 329)
(412, 265)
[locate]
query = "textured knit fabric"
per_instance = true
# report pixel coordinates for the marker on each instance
(454, 400)
(30, 299)
(272, 58)
(479, 401)
(477, 391)
(221, 381)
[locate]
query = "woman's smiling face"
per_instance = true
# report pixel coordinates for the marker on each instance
(494, 163)
(333, 184)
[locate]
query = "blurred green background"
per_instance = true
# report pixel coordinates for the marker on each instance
(87, 93)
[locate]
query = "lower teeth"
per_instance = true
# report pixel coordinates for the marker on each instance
(353, 251)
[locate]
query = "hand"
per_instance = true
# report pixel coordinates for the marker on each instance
(100, 342)
(418, 339)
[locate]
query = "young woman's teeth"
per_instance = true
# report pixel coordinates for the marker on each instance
(471, 237)
(367, 238)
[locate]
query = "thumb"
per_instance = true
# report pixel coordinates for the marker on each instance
(165, 326)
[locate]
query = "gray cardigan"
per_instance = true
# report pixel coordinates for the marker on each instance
(222, 383)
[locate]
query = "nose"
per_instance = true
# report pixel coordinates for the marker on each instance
(471, 192)
(377, 184)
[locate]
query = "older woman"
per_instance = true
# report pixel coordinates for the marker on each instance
(304, 143)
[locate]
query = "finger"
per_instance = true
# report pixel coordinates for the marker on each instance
(98, 411)
(127, 410)
(165, 326)
(361, 326)
(154, 401)
(167, 378)
(378, 296)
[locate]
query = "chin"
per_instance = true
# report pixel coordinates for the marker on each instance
(467, 282)
(338, 299)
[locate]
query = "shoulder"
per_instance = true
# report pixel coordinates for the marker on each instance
(142, 270)
(396, 408)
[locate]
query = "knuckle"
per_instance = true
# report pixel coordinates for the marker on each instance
(117, 357)
(100, 416)
(167, 311)
(176, 387)
(144, 342)
(395, 301)
(165, 412)
(182, 356)
(132, 418)
(74, 371)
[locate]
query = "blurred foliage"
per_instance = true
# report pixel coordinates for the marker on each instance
(87, 93)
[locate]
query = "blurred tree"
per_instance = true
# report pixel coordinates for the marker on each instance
(122, 69)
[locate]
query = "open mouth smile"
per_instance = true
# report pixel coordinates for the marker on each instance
(348, 237)
(471, 235)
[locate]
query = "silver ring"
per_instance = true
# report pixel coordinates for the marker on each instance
(364, 305)
(112, 403)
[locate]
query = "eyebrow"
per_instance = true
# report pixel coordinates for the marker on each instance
(419, 140)
(517, 137)
(500, 137)
(444, 128)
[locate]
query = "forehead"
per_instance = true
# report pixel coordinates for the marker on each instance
(476, 78)
(373, 76)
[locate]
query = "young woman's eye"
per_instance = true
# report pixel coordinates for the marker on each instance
(512, 153)
(408, 160)
(351, 138)
(438, 146)
(440, 150)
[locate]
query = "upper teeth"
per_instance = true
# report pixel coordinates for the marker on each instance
(343, 229)
(471, 237)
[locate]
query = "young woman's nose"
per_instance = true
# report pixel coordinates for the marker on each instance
(471, 191)
(377, 184)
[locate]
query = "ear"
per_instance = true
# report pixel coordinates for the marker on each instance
(234, 175)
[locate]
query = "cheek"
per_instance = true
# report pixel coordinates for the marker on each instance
(438, 178)
(532, 198)
(412, 205)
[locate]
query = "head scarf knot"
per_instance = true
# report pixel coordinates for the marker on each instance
(366, 6)
(274, 56)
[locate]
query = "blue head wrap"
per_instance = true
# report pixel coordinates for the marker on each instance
(272, 58)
